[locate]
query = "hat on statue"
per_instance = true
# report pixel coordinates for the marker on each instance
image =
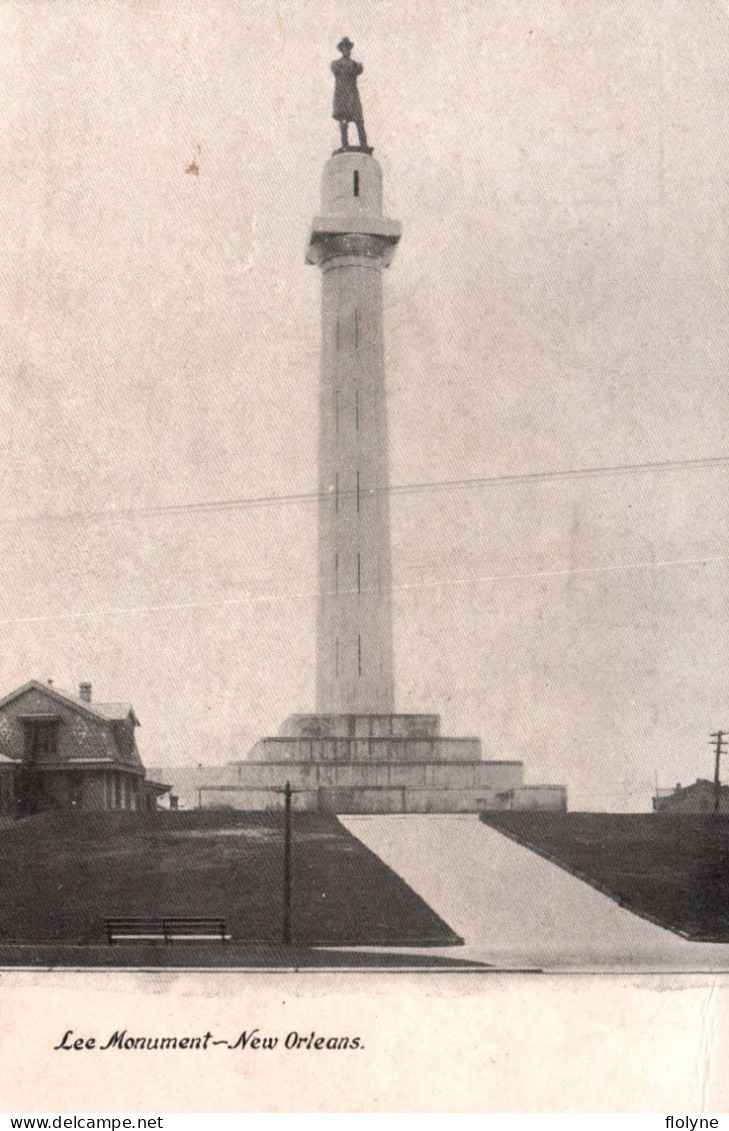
(345, 44)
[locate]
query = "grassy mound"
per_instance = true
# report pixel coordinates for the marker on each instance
(65, 873)
(669, 868)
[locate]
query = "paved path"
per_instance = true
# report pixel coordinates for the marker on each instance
(515, 909)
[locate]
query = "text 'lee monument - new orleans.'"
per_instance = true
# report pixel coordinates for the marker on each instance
(355, 754)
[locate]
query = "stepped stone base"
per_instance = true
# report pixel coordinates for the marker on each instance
(375, 764)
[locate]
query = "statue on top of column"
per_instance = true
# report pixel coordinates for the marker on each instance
(347, 105)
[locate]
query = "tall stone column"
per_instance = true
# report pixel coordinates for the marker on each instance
(354, 754)
(351, 243)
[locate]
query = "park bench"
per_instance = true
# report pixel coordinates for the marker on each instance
(168, 929)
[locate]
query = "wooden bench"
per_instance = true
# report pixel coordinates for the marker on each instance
(168, 929)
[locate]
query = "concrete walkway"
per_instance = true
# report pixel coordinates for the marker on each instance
(515, 909)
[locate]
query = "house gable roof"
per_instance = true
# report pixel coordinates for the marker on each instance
(117, 712)
(107, 712)
(120, 744)
(700, 783)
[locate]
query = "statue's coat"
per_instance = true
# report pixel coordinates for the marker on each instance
(347, 106)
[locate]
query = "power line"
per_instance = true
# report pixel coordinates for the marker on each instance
(428, 487)
(310, 595)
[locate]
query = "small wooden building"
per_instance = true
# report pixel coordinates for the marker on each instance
(63, 751)
(700, 797)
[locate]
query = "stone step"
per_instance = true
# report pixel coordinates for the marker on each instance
(360, 726)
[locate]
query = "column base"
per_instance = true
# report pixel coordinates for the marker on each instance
(375, 764)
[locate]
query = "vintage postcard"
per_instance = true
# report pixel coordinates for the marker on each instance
(363, 708)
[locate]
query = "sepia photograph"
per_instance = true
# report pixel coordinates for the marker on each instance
(364, 592)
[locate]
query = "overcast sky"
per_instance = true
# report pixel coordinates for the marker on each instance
(558, 301)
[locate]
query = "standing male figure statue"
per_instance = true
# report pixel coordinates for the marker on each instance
(347, 106)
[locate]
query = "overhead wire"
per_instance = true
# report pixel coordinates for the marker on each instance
(309, 595)
(425, 487)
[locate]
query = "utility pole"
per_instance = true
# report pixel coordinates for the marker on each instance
(287, 867)
(287, 933)
(718, 740)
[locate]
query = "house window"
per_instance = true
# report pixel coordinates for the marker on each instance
(117, 791)
(6, 794)
(43, 738)
(75, 789)
(355, 185)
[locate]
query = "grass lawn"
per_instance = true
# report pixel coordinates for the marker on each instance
(245, 956)
(63, 874)
(670, 868)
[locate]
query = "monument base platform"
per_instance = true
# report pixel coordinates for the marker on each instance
(375, 764)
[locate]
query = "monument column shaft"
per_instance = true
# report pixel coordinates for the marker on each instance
(354, 638)
(351, 243)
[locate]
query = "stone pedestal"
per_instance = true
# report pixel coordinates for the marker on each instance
(368, 764)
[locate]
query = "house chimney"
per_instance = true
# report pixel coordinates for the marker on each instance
(84, 692)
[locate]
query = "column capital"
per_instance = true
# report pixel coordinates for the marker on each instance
(366, 237)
